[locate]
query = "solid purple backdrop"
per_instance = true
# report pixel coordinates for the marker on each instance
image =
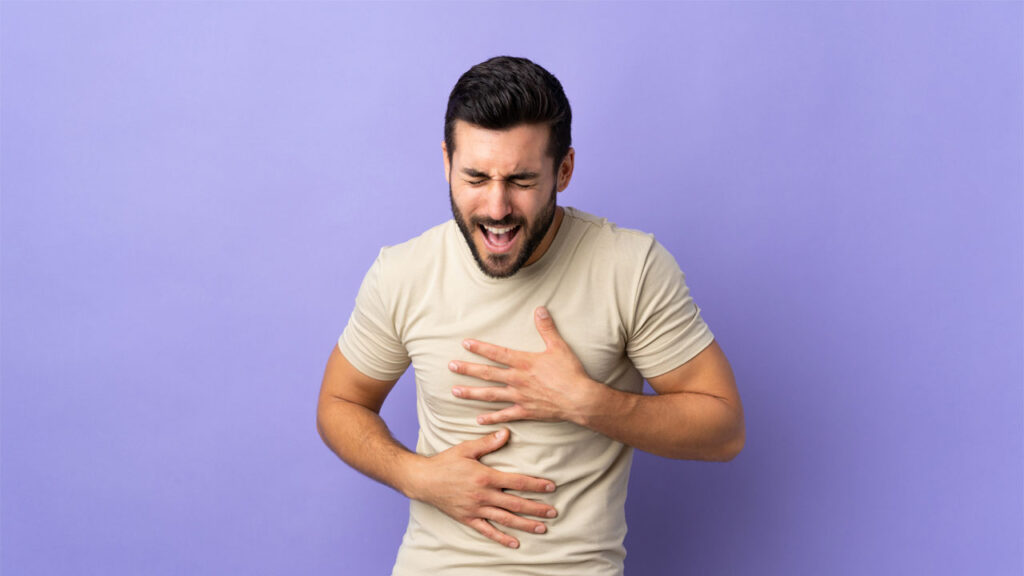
(193, 191)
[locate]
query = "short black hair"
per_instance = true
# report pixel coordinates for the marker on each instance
(506, 91)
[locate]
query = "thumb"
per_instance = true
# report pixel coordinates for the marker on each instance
(546, 327)
(485, 445)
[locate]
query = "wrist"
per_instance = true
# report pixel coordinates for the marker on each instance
(596, 400)
(410, 471)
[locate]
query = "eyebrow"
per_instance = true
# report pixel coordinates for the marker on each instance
(472, 173)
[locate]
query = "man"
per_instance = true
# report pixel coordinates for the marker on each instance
(530, 328)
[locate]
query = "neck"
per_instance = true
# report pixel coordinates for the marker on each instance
(549, 237)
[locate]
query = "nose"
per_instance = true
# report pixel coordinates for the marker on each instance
(498, 200)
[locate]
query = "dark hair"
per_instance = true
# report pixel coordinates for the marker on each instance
(506, 91)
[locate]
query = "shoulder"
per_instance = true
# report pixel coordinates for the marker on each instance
(400, 272)
(611, 241)
(631, 260)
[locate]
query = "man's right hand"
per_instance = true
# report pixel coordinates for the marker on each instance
(456, 483)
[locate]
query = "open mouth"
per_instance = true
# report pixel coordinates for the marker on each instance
(499, 238)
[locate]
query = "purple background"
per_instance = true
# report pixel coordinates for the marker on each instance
(193, 191)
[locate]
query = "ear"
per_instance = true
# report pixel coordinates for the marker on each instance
(565, 170)
(446, 162)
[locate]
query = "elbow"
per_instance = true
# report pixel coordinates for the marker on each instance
(732, 448)
(323, 418)
(320, 424)
(731, 440)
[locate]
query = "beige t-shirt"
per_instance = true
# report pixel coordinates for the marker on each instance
(618, 299)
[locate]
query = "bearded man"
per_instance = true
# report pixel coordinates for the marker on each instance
(531, 328)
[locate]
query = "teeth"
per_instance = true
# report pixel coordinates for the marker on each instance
(499, 231)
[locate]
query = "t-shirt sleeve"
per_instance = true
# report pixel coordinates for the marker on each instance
(370, 341)
(667, 329)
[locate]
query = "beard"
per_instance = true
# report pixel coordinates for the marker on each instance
(505, 265)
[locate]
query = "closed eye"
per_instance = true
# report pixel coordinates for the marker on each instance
(518, 185)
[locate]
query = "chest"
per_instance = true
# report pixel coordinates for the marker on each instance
(589, 320)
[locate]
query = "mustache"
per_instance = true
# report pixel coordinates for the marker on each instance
(504, 222)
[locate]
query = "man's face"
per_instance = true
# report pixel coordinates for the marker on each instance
(502, 186)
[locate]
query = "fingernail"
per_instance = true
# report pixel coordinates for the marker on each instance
(465, 344)
(457, 392)
(540, 529)
(552, 513)
(479, 419)
(550, 487)
(542, 313)
(453, 366)
(513, 544)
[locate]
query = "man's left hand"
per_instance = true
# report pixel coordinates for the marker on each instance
(550, 385)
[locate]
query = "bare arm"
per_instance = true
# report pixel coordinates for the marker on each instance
(348, 420)
(454, 481)
(697, 413)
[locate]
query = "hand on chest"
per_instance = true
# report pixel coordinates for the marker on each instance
(592, 330)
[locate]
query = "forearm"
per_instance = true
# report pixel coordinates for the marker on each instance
(360, 437)
(682, 425)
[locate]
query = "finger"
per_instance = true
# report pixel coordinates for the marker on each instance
(510, 414)
(483, 445)
(546, 327)
(484, 527)
(523, 483)
(499, 354)
(506, 518)
(482, 371)
(523, 506)
(484, 393)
